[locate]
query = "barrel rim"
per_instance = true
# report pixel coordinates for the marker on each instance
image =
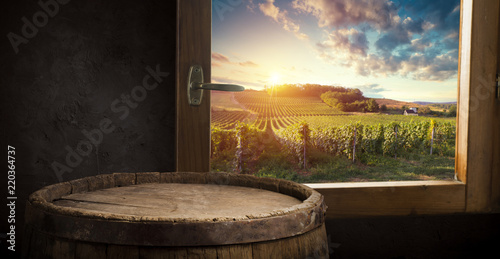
(79, 224)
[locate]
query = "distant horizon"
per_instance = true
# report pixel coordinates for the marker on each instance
(417, 101)
(402, 49)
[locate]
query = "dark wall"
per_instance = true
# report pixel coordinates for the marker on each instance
(74, 100)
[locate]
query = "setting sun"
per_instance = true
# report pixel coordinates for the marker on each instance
(275, 78)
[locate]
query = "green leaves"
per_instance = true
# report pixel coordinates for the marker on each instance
(298, 140)
(350, 100)
(295, 140)
(392, 139)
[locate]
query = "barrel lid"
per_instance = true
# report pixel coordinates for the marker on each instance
(175, 209)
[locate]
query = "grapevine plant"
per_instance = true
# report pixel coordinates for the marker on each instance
(393, 139)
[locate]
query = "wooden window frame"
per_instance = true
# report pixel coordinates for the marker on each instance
(477, 160)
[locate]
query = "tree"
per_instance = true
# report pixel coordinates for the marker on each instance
(350, 100)
(372, 105)
(452, 112)
(383, 108)
(424, 110)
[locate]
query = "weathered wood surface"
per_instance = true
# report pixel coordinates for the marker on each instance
(198, 215)
(188, 201)
(482, 151)
(392, 198)
(463, 98)
(312, 244)
(193, 48)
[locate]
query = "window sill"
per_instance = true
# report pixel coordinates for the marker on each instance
(400, 198)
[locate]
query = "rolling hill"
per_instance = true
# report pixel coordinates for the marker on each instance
(396, 104)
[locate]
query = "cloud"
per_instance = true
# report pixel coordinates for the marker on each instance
(433, 65)
(351, 40)
(248, 64)
(417, 66)
(371, 90)
(281, 16)
(220, 58)
(268, 8)
(437, 68)
(413, 26)
(420, 44)
(400, 34)
(393, 39)
(251, 5)
(444, 15)
(344, 13)
(417, 39)
(376, 65)
(411, 38)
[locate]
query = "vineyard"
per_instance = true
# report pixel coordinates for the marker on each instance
(297, 138)
(260, 110)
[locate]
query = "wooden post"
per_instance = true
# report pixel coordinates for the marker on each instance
(239, 150)
(432, 137)
(354, 146)
(211, 146)
(304, 130)
(396, 141)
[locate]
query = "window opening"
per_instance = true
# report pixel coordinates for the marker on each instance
(337, 91)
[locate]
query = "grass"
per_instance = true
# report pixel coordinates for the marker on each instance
(325, 168)
(380, 168)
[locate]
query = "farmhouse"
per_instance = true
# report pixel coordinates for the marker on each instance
(412, 112)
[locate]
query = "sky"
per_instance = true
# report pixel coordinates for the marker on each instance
(398, 49)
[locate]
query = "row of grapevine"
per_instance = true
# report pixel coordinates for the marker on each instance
(275, 107)
(295, 139)
(355, 139)
(245, 141)
(352, 140)
(336, 140)
(226, 119)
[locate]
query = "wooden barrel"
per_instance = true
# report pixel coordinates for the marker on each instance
(175, 215)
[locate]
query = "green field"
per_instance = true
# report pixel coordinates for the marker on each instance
(257, 108)
(368, 119)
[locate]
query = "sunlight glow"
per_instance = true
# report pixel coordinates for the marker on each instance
(275, 78)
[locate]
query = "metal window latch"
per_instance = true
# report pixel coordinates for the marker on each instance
(196, 86)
